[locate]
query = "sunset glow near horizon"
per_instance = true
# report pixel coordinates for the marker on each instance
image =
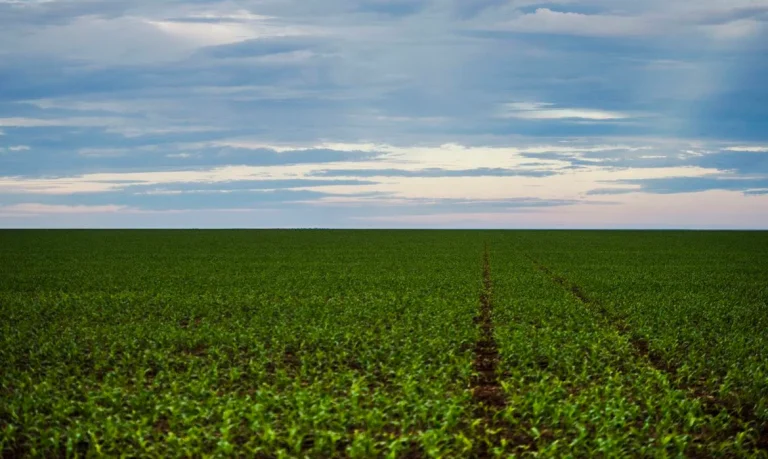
(380, 114)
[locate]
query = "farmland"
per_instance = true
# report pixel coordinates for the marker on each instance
(383, 343)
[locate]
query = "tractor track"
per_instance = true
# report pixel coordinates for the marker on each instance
(486, 387)
(487, 392)
(711, 403)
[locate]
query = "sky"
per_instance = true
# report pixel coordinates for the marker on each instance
(384, 114)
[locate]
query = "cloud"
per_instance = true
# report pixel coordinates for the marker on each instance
(20, 122)
(131, 40)
(545, 20)
(234, 17)
(542, 111)
(221, 177)
(138, 33)
(743, 162)
(220, 162)
(31, 122)
(749, 148)
(717, 21)
(40, 209)
(224, 31)
(735, 30)
(568, 113)
(673, 185)
(395, 8)
(170, 156)
(15, 148)
(434, 172)
(371, 108)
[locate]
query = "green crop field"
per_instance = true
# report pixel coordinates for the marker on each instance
(383, 343)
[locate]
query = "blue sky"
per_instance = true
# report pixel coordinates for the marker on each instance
(384, 113)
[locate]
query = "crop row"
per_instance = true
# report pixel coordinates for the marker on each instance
(577, 386)
(697, 301)
(363, 344)
(349, 352)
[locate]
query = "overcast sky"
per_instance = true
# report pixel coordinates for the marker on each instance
(384, 113)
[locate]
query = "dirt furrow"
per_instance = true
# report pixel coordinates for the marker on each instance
(487, 392)
(486, 388)
(711, 403)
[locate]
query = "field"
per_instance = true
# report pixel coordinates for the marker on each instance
(383, 343)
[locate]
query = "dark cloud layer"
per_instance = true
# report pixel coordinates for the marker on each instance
(688, 185)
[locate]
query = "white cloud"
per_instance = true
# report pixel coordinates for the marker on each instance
(38, 209)
(127, 127)
(566, 184)
(260, 92)
(118, 40)
(252, 145)
(223, 28)
(206, 34)
(23, 3)
(22, 122)
(646, 19)
(14, 148)
(544, 20)
(28, 122)
(749, 148)
(735, 30)
(103, 182)
(450, 156)
(527, 106)
(412, 119)
(103, 152)
(143, 37)
(115, 106)
(235, 16)
(572, 184)
(139, 131)
(542, 111)
(569, 113)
